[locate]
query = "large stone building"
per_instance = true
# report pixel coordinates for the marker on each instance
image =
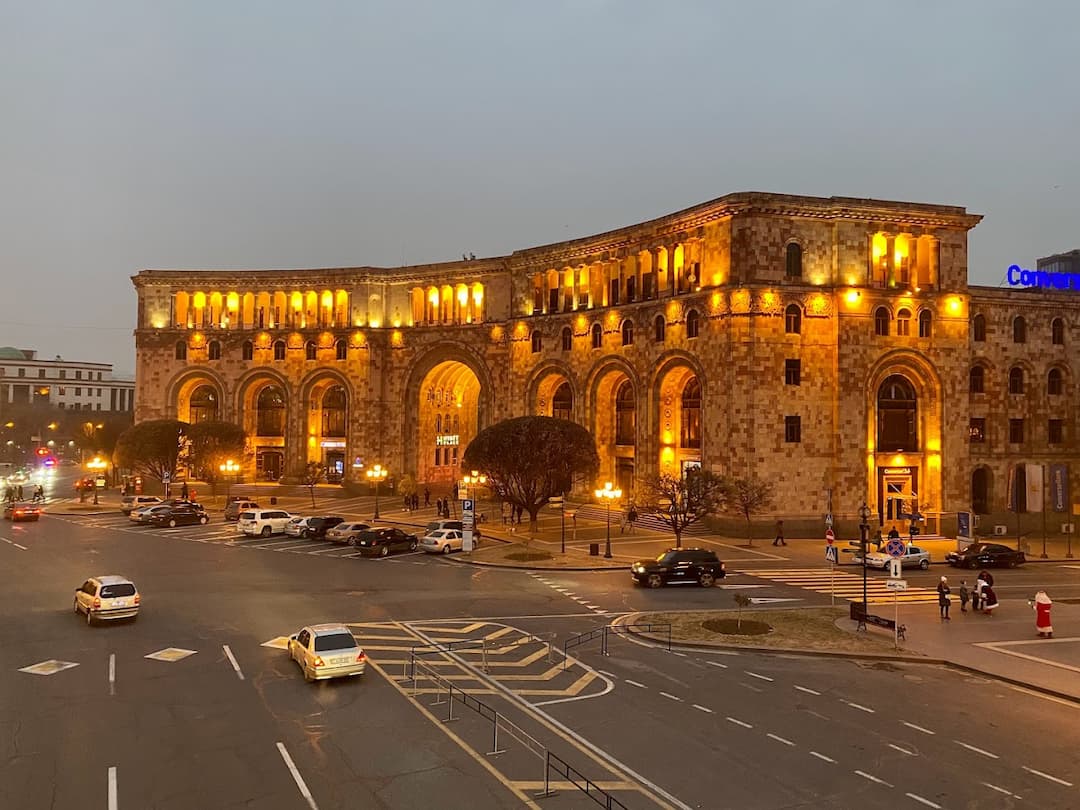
(833, 345)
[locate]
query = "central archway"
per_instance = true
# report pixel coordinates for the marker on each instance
(448, 418)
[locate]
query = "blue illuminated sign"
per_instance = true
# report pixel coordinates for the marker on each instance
(1020, 277)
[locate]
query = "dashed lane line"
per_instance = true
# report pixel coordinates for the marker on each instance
(760, 677)
(779, 739)
(635, 683)
(823, 758)
(232, 660)
(1000, 790)
(919, 728)
(976, 749)
(739, 722)
(859, 706)
(701, 708)
(297, 777)
(902, 750)
(922, 800)
(670, 696)
(1047, 776)
(873, 778)
(716, 664)
(112, 788)
(807, 690)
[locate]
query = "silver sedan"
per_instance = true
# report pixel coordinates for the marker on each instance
(326, 651)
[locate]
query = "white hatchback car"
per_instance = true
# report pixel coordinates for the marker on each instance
(107, 597)
(326, 651)
(443, 541)
(263, 522)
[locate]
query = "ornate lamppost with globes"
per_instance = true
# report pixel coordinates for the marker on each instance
(377, 474)
(864, 540)
(229, 468)
(475, 479)
(607, 495)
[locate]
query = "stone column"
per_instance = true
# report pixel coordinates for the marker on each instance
(890, 264)
(934, 263)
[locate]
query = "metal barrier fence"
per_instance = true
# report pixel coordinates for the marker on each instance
(577, 779)
(603, 632)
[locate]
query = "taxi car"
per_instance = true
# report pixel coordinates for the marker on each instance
(21, 511)
(107, 597)
(326, 651)
(914, 557)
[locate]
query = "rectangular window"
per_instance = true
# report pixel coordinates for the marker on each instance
(63, 391)
(977, 431)
(792, 429)
(41, 373)
(78, 392)
(1055, 431)
(22, 372)
(1016, 431)
(78, 374)
(437, 456)
(793, 372)
(63, 374)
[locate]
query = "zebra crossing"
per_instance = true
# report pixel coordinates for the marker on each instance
(845, 585)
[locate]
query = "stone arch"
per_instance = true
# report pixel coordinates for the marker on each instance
(618, 459)
(671, 374)
(179, 389)
(326, 434)
(275, 456)
(542, 384)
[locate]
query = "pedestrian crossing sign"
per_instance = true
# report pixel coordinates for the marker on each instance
(830, 554)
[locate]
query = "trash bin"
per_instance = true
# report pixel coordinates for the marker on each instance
(594, 549)
(273, 500)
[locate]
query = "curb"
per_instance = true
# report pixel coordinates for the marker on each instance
(508, 567)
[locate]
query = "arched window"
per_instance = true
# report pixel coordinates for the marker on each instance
(659, 328)
(693, 324)
(978, 329)
(1057, 332)
(793, 266)
(279, 349)
(203, 406)
(924, 323)
(625, 414)
(341, 350)
(897, 424)
(270, 412)
(881, 322)
(438, 423)
(628, 332)
(977, 380)
(1016, 380)
(567, 339)
(690, 421)
(334, 403)
(247, 351)
(903, 322)
(562, 404)
(213, 350)
(537, 341)
(181, 350)
(310, 350)
(1019, 329)
(980, 491)
(597, 336)
(793, 320)
(1054, 382)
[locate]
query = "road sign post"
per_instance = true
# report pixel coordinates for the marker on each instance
(831, 556)
(896, 585)
(468, 524)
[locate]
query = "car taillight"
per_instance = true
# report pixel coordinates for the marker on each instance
(137, 599)
(97, 603)
(361, 656)
(319, 662)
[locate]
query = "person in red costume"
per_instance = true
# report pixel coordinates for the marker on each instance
(1042, 604)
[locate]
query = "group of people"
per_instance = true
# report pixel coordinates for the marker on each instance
(983, 597)
(13, 493)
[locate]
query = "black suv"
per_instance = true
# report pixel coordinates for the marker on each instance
(316, 527)
(679, 565)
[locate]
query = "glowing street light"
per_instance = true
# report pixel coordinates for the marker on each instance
(377, 474)
(230, 467)
(608, 494)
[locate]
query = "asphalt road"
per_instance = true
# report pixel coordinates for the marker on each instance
(234, 725)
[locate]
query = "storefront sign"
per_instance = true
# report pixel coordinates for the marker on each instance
(331, 443)
(1018, 276)
(1059, 487)
(897, 471)
(447, 441)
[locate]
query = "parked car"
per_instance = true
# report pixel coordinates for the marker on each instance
(130, 502)
(182, 514)
(452, 525)
(237, 505)
(21, 511)
(443, 541)
(107, 597)
(145, 515)
(985, 555)
(326, 651)
(318, 526)
(295, 526)
(679, 566)
(263, 522)
(346, 532)
(913, 558)
(382, 540)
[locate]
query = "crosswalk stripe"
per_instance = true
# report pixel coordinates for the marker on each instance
(846, 586)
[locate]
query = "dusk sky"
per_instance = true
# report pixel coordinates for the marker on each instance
(318, 134)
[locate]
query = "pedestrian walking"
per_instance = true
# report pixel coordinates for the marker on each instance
(1042, 604)
(427, 497)
(893, 533)
(19, 490)
(977, 594)
(415, 501)
(964, 595)
(779, 541)
(631, 517)
(878, 540)
(943, 592)
(183, 491)
(455, 491)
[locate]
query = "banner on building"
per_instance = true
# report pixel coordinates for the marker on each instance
(1033, 474)
(1059, 487)
(1012, 488)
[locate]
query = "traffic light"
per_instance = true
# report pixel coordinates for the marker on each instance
(42, 451)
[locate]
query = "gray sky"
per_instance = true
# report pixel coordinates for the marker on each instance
(282, 134)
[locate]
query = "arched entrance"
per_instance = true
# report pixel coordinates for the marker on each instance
(448, 417)
(615, 419)
(679, 421)
(328, 426)
(265, 417)
(203, 406)
(198, 398)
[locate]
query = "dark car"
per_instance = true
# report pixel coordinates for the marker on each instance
(317, 527)
(984, 555)
(181, 514)
(381, 541)
(679, 565)
(21, 511)
(237, 505)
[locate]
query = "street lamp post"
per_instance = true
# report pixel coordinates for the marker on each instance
(230, 467)
(477, 480)
(377, 474)
(864, 539)
(96, 465)
(608, 494)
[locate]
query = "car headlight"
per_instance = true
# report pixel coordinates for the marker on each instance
(640, 569)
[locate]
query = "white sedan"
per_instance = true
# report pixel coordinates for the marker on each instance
(326, 651)
(913, 558)
(443, 541)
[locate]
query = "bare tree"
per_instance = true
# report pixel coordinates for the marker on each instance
(680, 502)
(748, 497)
(313, 474)
(151, 448)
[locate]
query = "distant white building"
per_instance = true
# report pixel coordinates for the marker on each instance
(66, 384)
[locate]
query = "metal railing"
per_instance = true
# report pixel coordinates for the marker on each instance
(580, 781)
(604, 632)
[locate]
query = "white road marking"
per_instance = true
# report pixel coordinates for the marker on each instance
(297, 777)
(1001, 790)
(112, 788)
(805, 689)
(858, 706)
(760, 677)
(609, 674)
(1047, 776)
(18, 546)
(638, 685)
(872, 778)
(902, 750)
(822, 757)
(232, 661)
(920, 728)
(112, 673)
(739, 722)
(921, 800)
(716, 664)
(977, 750)
(702, 708)
(671, 696)
(680, 654)
(779, 739)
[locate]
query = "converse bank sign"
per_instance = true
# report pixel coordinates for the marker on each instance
(1019, 277)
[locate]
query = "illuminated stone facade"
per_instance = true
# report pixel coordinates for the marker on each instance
(825, 343)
